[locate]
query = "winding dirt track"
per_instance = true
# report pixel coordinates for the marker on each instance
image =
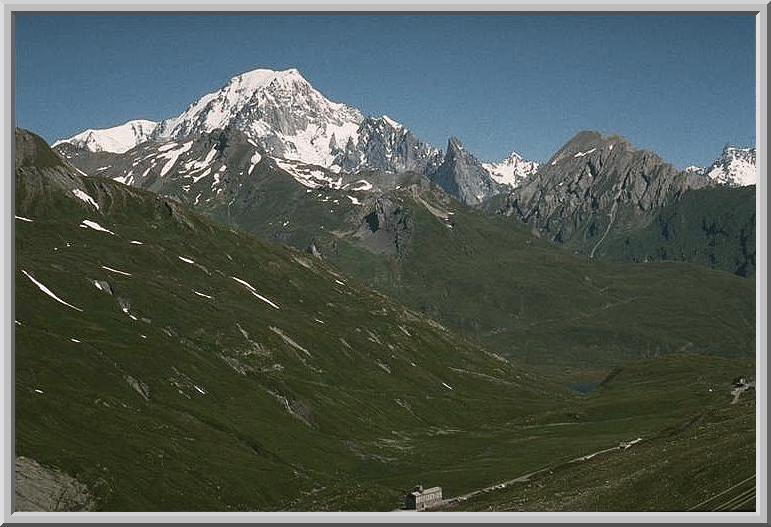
(524, 478)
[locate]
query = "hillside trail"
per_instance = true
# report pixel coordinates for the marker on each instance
(524, 478)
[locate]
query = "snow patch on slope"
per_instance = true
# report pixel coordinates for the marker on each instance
(47, 291)
(582, 154)
(172, 157)
(124, 273)
(253, 291)
(88, 224)
(253, 162)
(308, 175)
(85, 198)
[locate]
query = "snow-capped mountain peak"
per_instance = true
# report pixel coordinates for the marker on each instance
(279, 110)
(512, 170)
(118, 139)
(281, 113)
(735, 167)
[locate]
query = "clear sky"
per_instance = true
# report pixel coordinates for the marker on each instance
(683, 86)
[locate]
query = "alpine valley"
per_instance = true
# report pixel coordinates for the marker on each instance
(274, 302)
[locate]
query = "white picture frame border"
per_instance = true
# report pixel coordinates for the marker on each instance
(13, 7)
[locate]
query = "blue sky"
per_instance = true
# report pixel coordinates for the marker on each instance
(681, 85)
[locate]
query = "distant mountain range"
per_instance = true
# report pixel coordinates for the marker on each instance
(406, 235)
(283, 114)
(592, 192)
(280, 112)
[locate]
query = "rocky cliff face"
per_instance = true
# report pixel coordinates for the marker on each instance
(462, 175)
(47, 489)
(42, 170)
(383, 144)
(387, 229)
(594, 185)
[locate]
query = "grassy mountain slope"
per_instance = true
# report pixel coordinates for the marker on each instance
(311, 392)
(487, 277)
(714, 227)
(704, 462)
(490, 279)
(527, 299)
(160, 398)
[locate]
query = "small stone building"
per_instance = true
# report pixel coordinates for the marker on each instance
(419, 498)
